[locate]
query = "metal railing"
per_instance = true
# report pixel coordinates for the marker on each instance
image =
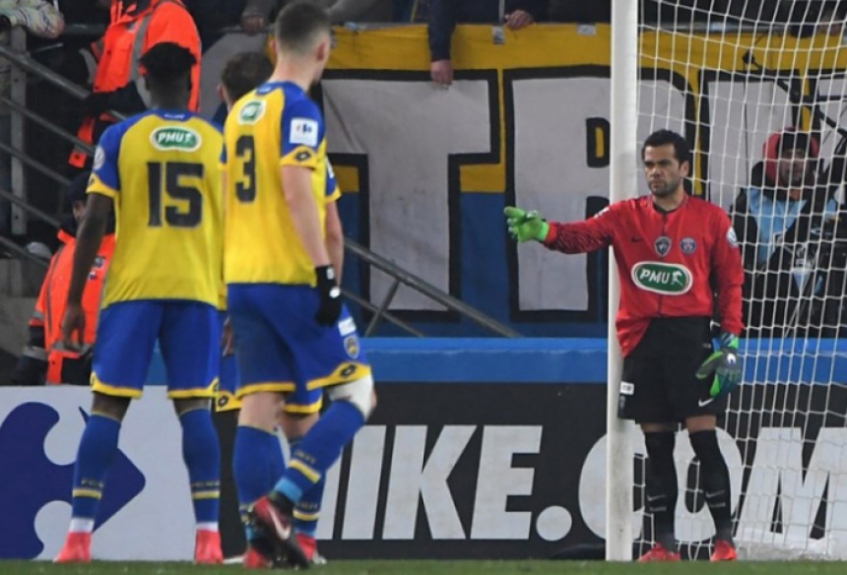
(379, 313)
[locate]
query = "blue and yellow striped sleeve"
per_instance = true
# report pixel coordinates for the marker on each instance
(105, 178)
(302, 134)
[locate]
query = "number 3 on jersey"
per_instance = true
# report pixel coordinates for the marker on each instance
(188, 211)
(245, 149)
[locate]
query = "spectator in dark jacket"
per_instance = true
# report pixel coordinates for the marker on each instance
(785, 224)
(445, 14)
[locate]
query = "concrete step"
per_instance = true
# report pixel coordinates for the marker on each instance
(20, 278)
(14, 317)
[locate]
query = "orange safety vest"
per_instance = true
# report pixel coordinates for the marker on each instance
(53, 300)
(128, 37)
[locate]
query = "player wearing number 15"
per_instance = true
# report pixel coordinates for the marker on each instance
(160, 173)
(293, 336)
(676, 256)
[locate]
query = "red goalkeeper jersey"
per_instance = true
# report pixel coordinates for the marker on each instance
(670, 263)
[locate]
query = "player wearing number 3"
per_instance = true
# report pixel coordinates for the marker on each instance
(674, 253)
(293, 335)
(160, 172)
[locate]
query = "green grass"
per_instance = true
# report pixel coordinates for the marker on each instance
(439, 568)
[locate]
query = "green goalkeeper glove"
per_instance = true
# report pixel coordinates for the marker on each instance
(724, 366)
(525, 226)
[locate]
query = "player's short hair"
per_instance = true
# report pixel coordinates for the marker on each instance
(298, 25)
(167, 63)
(245, 72)
(682, 151)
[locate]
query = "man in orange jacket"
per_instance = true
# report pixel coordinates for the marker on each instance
(44, 357)
(136, 26)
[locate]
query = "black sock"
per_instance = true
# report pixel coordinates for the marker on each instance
(715, 477)
(662, 488)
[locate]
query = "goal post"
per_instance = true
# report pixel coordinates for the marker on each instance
(622, 185)
(746, 89)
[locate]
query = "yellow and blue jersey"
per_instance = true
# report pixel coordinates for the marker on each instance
(276, 125)
(162, 170)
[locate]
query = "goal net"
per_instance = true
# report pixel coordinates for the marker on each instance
(759, 90)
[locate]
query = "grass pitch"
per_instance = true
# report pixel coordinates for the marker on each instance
(440, 568)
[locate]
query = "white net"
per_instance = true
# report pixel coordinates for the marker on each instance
(765, 85)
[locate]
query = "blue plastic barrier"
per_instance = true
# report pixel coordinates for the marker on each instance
(569, 360)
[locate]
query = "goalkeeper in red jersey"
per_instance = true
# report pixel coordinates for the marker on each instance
(674, 254)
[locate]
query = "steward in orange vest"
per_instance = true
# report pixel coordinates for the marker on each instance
(136, 26)
(44, 357)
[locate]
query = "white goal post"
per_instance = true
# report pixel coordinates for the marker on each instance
(748, 85)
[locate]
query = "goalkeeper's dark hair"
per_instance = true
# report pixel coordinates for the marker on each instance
(682, 151)
(298, 25)
(245, 72)
(167, 64)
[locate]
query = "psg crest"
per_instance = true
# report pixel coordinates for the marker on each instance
(688, 245)
(663, 245)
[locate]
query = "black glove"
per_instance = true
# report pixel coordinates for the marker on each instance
(330, 293)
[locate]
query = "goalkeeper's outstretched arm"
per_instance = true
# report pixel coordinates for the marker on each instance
(571, 238)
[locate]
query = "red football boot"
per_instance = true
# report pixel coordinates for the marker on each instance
(724, 551)
(207, 548)
(659, 553)
(77, 549)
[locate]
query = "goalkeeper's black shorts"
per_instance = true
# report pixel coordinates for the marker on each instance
(659, 383)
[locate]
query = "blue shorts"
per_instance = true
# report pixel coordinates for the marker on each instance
(281, 348)
(189, 339)
(227, 388)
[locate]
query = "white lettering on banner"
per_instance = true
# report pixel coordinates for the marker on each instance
(690, 526)
(497, 480)
(554, 120)
(411, 481)
(739, 125)
(780, 480)
(408, 130)
(363, 484)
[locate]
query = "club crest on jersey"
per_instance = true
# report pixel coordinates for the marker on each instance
(251, 112)
(662, 278)
(688, 246)
(662, 245)
(175, 138)
(351, 345)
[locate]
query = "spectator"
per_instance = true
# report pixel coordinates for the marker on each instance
(782, 221)
(44, 358)
(38, 17)
(445, 14)
(136, 26)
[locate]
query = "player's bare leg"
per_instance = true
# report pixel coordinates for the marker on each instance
(716, 487)
(201, 453)
(662, 489)
(97, 447)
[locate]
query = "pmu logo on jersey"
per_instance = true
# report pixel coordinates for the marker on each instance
(30, 480)
(251, 112)
(175, 138)
(662, 278)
